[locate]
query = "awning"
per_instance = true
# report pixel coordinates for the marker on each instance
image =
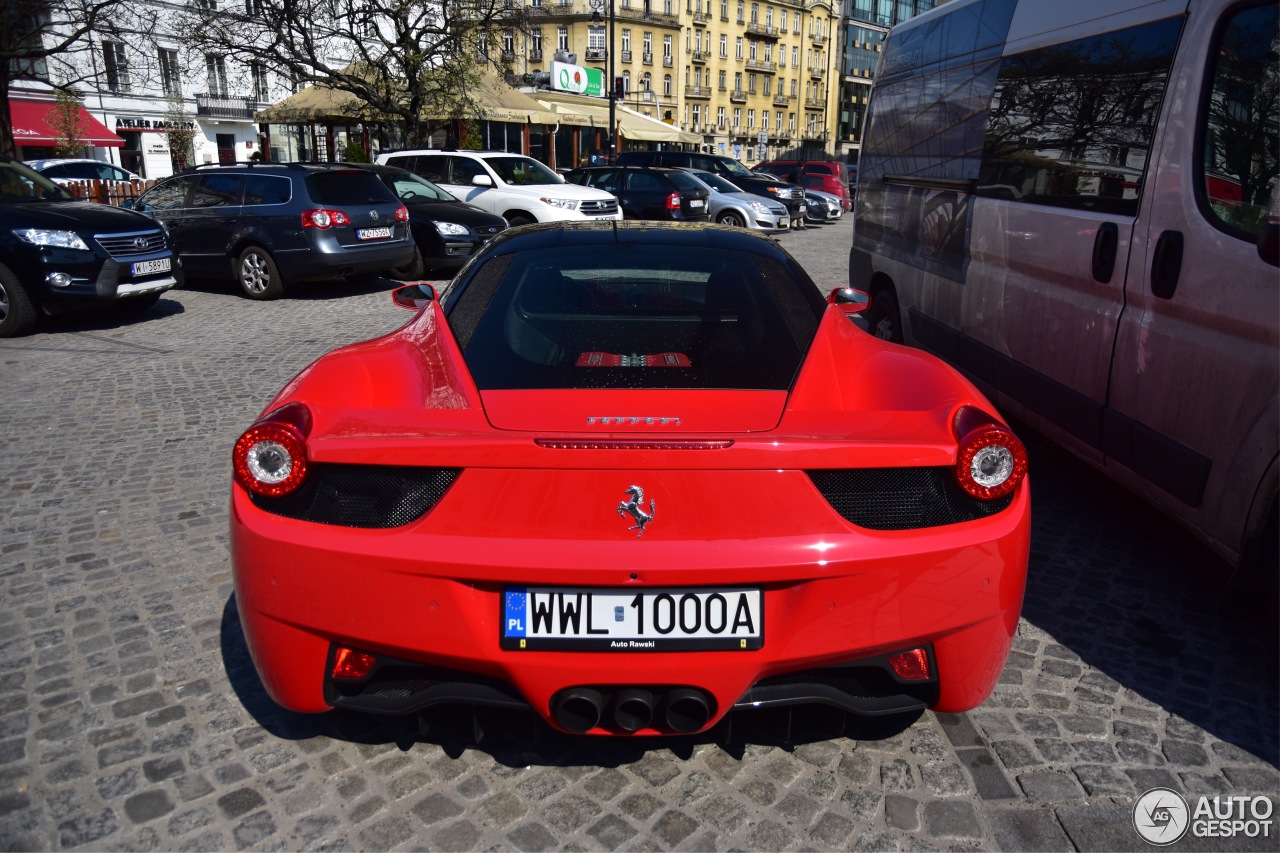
(31, 126)
(575, 109)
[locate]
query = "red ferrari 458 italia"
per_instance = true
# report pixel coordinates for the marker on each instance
(633, 476)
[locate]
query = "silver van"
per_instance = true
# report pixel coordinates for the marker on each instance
(1075, 203)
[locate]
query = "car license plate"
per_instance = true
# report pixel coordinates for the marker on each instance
(373, 233)
(804, 208)
(150, 267)
(697, 202)
(593, 619)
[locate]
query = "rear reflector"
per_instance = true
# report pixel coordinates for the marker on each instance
(910, 666)
(623, 444)
(349, 663)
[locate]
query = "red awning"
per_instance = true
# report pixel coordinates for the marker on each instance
(31, 126)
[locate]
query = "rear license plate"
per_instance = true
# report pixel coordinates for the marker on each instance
(150, 267)
(373, 233)
(582, 619)
(697, 202)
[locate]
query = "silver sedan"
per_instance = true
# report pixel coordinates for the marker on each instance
(729, 205)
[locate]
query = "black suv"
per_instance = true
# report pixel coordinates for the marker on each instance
(57, 253)
(647, 192)
(757, 183)
(272, 224)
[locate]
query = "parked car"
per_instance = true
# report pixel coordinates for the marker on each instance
(830, 176)
(729, 205)
(823, 207)
(519, 189)
(648, 192)
(607, 454)
(57, 253)
(446, 232)
(759, 183)
(272, 225)
(70, 169)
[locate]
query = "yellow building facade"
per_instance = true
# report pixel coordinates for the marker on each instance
(739, 73)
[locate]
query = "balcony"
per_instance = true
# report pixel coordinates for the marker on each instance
(535, 55)
(701, 92)
(738, 96)
(815, 104)
(224, 106)
(641, 15)
(668, 60)
(761, 65)
(646, 58)
(596, 54)
(625, 56)
(780, 99)
(762, 31)
(817, 73)
(700, 56)
(700, 18)
(818, 38)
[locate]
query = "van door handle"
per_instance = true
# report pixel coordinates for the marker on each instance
(1104, 252)
(1166, 266)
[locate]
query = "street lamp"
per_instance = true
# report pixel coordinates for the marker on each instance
(596, 6)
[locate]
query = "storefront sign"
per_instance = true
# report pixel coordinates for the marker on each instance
(156, 125)
(576, 78)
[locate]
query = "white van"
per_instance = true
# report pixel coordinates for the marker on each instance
(1069, 202)
(519, 189)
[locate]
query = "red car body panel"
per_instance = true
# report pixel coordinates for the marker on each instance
(523, 514)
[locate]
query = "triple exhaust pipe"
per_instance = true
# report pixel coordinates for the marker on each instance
(680, 709)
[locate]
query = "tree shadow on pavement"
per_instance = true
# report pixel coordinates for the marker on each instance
(1137, 598)
(521, 739)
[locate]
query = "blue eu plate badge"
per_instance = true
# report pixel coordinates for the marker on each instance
(514, 614)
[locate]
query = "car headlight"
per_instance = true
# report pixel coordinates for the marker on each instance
(562, 203)
(46, 237)
(451, 229)
(759, 207)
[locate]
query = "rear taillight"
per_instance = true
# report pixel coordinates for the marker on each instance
(270, 459)
(991, 461)
(351, 664)
(325, 218)
(673, 201)
(402, 214)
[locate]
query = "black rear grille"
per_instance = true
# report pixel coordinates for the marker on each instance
(865, 687)
(398, 686)
(132, 243)
(374, 496)
(901, 498)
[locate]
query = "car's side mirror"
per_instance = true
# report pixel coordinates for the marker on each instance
(482, 181)
(850, 301)
(414, 296)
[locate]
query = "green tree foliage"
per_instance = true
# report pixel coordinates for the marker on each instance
(68, 121)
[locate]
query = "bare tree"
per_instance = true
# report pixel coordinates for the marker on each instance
(56, 41)
(400, 60)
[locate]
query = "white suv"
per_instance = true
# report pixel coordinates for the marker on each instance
(517, 188)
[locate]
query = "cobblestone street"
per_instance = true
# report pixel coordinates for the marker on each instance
(131, 717)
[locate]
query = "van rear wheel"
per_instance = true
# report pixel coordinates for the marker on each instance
(257, 275)
(884, 319)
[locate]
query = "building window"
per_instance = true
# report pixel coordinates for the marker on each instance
(117, 66)
(261, 91)
(722, 80)
(646, 82)
(768, 17)
(648, 44)
(562, 38)
(737, 116)
(666, 45)
(755, 13)
(535, 42)
(768, 81)
(739, 47)
(215, 68)
(751, 119)
(697, 114)
(626, 82)
(666, 85)
(626, 41)
(720, 116)
(508, 43)
(764, 120)
(170, 76)
(595, 39)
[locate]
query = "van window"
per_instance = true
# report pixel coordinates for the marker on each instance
(1071, 124)
(266, 189)
(1239, 124)
(344, 186)
(217, 191)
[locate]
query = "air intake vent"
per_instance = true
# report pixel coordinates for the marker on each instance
(363, 495)
(900, 498)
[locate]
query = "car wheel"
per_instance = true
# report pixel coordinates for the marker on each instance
(17, 316)
(518, 219)
(731, 218)
(884, 319)
(138, 304)
(411, 271)
(257, 274)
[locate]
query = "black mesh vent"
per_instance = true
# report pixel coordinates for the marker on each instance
(363, 495)
(846, 681)
(901, 498)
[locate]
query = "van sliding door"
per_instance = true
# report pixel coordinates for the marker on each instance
(1064, 163)
(1194, 384)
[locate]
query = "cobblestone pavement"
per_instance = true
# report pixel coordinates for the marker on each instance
(130, 717)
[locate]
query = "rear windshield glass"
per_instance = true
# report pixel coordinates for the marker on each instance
(642, 316)
(352, 187)
(684, 181)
